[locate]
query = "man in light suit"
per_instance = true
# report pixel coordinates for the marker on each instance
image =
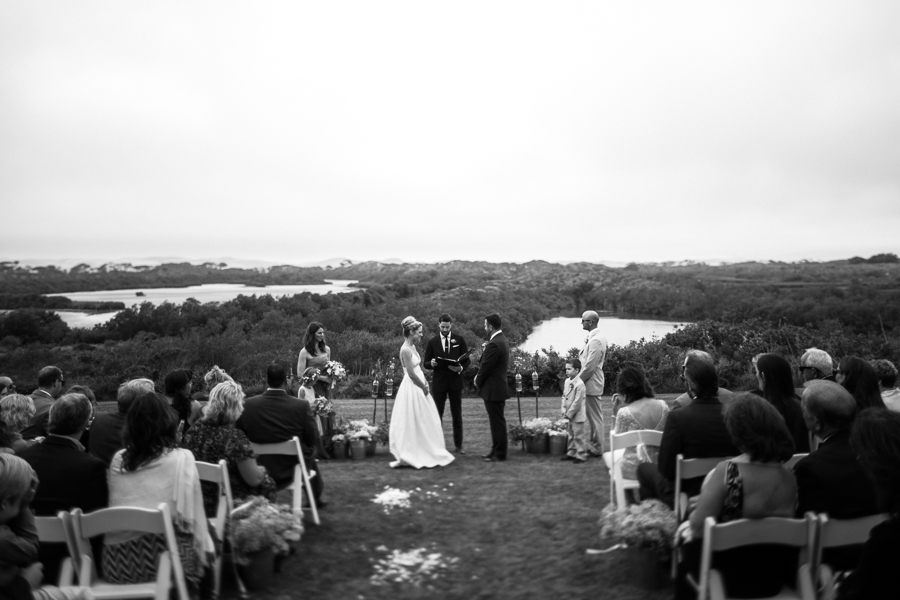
(276, 416)
(448, 356)
(592, 356)
(492, 385)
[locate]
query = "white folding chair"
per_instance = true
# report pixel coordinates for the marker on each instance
(123, 518)
(834, 533)
(218, 474)
(618, 442)
(789, 463)
(688, 468)
(748, 532)
(58, 530)
(301, 475)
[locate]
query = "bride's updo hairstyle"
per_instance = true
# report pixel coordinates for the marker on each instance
(409, 324)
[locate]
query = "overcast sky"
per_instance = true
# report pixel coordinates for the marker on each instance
(433, 131)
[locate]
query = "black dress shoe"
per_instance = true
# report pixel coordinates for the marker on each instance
(491, 459)
(460, 450)
(487, 456)
(568, 457)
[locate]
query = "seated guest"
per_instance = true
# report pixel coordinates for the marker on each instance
(858, 377)
(151, 470)
(684, 399)
(6, 386)
(874, 437)
(50, 386)
(773, 373)
(816, 364)
(106, 430)
(277, 416)
(6, 439)
(70, 478)
(214, 377)
(754, 485)
(89, 394)
(215, 437)
(830, 480)
(178, 394)
(641, 411)
(19, 569)
(887, 382)
(696, 431)
(16, 410)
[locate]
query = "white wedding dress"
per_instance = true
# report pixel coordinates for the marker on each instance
(416, 435)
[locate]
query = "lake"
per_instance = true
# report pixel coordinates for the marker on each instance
(211, 292)
(564, 333)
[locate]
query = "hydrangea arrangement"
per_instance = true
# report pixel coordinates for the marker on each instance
(649, 525)
(259, 525)
(560, 427)
(358, 430)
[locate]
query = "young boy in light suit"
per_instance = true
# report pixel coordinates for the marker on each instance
(573, 409)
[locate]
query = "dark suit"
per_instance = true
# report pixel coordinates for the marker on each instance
(494, 390)
(38, 424)
(275, 416)
(106, 436)
(69, 478)
(445, 382)
(831, 480)
(695, 431)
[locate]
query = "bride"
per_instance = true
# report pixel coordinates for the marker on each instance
(416, 436)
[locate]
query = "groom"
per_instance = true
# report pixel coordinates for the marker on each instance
(448, 355)
(492, 386)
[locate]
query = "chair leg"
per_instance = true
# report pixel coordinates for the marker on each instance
(164, 577)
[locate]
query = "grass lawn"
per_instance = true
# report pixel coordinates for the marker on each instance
(517, 529)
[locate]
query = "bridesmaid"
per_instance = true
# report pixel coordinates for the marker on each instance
(316, 354)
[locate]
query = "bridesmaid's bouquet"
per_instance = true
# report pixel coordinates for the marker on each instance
(335, 371)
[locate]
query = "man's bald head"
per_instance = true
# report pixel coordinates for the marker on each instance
(830, 404)
(6, 386)
(589, 319)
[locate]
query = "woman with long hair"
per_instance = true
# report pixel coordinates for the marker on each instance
(859, 378)
(215, 437)
(641, 411)
(152, 469)
(876, 438)
(178, 393)
(776, 382)
(16, 411)
(315, 353)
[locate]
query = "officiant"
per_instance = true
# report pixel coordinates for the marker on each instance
(447, 355)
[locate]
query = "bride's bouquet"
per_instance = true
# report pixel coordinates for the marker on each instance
(335, 371)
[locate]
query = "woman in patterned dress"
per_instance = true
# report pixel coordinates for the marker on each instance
(215, 437)
(641, 411)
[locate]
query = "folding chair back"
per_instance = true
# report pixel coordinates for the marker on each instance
(58, 530)
(690, 468)
(218, 474)
(301, 475)
(141, 520)
(749, 532)
(618, 442)
(834, 533)
(789, 463)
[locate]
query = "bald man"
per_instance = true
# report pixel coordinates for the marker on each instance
(6, 386)
(592, 356)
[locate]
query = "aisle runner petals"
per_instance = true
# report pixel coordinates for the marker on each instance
(415, 567)
(392, 498)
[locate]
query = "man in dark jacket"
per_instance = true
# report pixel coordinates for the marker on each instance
(447, 355)
(69, 477)
(106, 430)
(277, 416)
(492, 385)
(695, 431)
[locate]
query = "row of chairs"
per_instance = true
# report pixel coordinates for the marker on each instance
(812, 535)
(76, 529)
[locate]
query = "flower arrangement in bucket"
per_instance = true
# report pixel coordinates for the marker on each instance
(260, 525)
(359, 434)
(559, 437)
(646, 530)
(531, 429)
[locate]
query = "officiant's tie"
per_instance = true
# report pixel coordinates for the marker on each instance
(445, 340)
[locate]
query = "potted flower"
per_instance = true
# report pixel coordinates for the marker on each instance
(340, 445)
(559, 437)
(536, 439)
(646, 530)
(260, 531)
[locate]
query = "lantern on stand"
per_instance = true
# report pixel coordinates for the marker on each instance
(537, 386)
(375, 397)
(519, 393)
(388, 389)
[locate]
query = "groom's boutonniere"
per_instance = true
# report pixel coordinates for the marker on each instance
(452, 341)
